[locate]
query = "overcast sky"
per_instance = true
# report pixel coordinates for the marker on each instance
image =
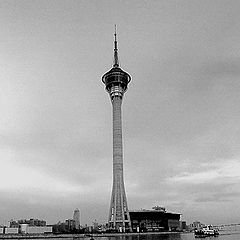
(181, 127)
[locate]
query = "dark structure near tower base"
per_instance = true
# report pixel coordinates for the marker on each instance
(116, 82)
(154, 220)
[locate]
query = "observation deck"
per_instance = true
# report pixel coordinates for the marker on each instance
(116, 81)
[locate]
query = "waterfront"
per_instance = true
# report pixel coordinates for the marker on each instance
(176, 236)
(162, 236)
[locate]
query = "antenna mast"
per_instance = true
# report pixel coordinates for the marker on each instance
(116, 61)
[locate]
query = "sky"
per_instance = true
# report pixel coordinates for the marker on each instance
(181, 128)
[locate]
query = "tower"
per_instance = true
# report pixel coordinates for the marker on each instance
(76, 218)
(116, 82)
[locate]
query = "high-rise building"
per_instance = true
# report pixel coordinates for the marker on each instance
(76, 218)
(116, 82)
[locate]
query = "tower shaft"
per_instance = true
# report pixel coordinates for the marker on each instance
(118, 215)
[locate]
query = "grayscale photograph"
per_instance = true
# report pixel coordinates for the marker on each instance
(120, 119)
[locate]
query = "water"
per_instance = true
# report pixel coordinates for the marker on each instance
(171, 236)
(176, 236)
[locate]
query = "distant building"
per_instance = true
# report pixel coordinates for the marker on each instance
(89, 229)
(154, 220)
(26, 229)
(196, 225)
(70, 223)
(14, 224)
(183, 225)
(102, 228)
(95, 225)
(9, 230)
(30, 222)
(76, 218)
(39, 230)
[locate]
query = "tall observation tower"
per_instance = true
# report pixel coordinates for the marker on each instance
(116, 81)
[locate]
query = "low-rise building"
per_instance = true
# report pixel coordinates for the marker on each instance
(39, 230)
(9, 230)
(154, 220)
(30, 222)
(196, 225)
(26, 229)
(183, 225)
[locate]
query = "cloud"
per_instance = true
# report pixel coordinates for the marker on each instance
(210, 172)
(27, 179)
(230, 67)
(214, 182)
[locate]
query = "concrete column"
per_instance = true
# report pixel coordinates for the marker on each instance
(118, 214)
(117, 138)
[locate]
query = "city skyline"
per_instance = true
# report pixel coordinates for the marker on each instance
(181, 114)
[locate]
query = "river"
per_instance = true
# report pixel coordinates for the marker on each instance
(176, 236)
(163, 236)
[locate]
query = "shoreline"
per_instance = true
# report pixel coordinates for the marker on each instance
(76, 236)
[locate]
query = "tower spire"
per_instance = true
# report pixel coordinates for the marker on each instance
(116, 62)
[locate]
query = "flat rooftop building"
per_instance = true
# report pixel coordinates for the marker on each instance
(154, 220)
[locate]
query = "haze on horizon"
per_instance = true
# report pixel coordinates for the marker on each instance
(181, 128)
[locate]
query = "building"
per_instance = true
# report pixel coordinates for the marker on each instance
(196, 225)
(24, 228)
(95, 225)
(30, 222)
(39, 230)
(28, 226)
(14, 224)
(9, 230)
(154, 220)
(27, 229)
(116, 82)
(76, 218)
(183, 226)
(70, 223)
